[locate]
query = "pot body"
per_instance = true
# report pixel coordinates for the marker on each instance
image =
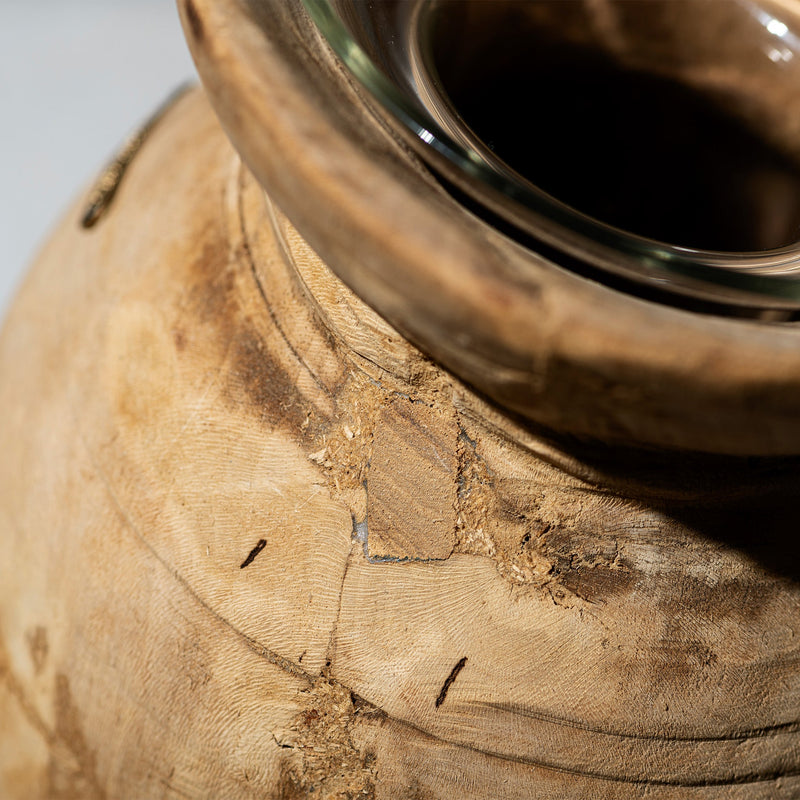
(257, 544)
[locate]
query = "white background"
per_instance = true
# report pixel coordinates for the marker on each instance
(76, 76)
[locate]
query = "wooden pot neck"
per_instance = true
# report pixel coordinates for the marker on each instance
(557, 350)
(658, 478)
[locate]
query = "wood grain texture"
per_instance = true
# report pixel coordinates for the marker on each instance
(562, 351)
(411, 488)
(191, 604)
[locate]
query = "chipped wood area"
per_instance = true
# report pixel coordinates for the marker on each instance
(256, 545)
(556, 348)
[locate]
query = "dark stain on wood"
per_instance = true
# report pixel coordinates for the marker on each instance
(179, 338)
(65, 781)
(17, 690)
(262, 543)
(256, 379)
(38, 647)
(290, 787)
(449, 681)
(310, 715)
(195, 22)
(210, 284)
(597, 583)
(270, 389)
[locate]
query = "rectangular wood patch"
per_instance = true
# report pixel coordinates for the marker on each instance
(412, 483)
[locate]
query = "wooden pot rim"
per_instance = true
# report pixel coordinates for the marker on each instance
(562, 351)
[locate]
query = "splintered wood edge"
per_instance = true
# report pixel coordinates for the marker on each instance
(560, 350)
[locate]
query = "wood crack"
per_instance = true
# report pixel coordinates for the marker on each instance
(248, 251)
(749, 778)
(262, 543)
(331, 649)
(449, 681)
(295, 670)
(766, 732)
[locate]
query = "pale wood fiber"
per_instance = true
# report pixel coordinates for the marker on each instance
(194, 412)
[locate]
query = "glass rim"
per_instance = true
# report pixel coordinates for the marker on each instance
(741, 274)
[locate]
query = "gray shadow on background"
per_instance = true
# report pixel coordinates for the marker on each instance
(75, 79)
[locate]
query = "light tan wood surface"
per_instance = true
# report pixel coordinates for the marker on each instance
(256, 544)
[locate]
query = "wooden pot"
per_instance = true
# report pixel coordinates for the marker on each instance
(474, 527)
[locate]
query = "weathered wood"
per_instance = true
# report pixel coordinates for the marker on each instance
(412, 513)
(208, 588)
(561, 350)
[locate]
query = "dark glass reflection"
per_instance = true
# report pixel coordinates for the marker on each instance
(631, 148)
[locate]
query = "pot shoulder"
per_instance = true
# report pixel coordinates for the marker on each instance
(257, 544)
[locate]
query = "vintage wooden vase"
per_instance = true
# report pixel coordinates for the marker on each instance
(315, 483)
